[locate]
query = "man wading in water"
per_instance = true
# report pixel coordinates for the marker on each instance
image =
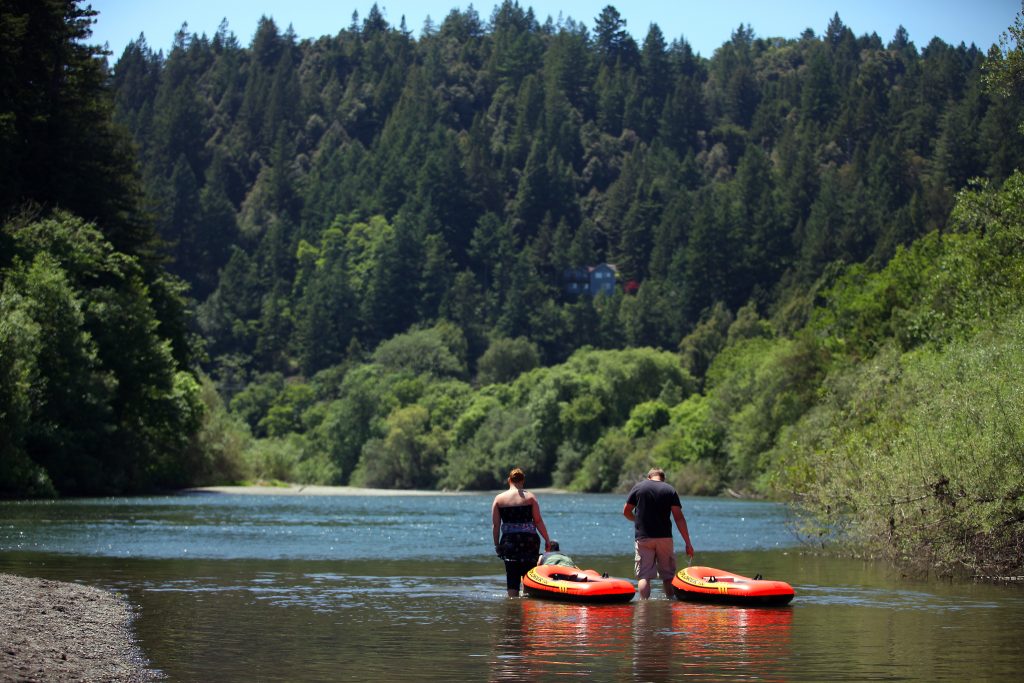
(651, 506)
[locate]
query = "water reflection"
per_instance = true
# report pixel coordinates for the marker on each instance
(740, 642)
(652, 640)
(543, 638)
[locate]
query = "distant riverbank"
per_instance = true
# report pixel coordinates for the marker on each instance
(295, 489)
(57, 631)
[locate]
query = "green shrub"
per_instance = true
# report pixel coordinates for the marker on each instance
(602, 469)
(506, 359)
(506, 438)
(646, 418)
(407, 457)
(701, 478)
(220, 443)
(275, 459)
(921, 456)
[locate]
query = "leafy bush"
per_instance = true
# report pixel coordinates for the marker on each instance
(691, 436)
(98, 395)
(602, 469)
(438, 351)
(506, 359)
(221, 442)
(285, 414)
(253, 403)
(646, 418)
(506, 438)
(917, 450)
(701, 478)
(754, 388)
(407, 457)
(922, 456)
(275, 459)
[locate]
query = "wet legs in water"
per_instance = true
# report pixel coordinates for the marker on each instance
(644, 588)
(514, 573)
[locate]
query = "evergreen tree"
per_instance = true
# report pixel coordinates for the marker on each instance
(389, 303)
(435, 278)
(327, 321)
(613, 43)
(516, 45)
(217, 230)
(58, 146)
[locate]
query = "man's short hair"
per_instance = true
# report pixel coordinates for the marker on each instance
(656, 472)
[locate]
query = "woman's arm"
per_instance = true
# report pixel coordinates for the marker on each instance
(495, 521)
(538, 521)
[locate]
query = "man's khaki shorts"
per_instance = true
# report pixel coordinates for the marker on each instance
(655, 557)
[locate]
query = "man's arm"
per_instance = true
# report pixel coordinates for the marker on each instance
(677, 514)
(629, 512)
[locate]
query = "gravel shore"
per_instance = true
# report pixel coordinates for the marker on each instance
(56, 631)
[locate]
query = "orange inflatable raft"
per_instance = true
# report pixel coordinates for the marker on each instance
(707, 584)
(554, 582)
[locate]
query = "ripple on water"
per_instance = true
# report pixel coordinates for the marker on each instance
(887, 598)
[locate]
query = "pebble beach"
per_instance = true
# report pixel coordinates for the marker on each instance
(57, 631)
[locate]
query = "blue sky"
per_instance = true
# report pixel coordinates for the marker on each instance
(706, 25)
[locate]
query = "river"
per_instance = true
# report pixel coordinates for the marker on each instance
(405, 587)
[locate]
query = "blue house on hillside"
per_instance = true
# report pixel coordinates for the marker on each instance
(592, 280)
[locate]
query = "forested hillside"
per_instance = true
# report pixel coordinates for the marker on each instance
(322, 195)
(817, 239)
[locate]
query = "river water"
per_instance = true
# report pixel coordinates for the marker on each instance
(405, 587)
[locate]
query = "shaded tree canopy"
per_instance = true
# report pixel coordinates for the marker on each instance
(97, 392)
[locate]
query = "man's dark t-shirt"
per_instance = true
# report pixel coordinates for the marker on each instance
(653, 501)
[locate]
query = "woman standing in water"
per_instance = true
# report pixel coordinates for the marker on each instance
(515, 521)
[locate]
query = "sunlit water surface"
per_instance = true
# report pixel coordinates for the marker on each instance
(310, 588)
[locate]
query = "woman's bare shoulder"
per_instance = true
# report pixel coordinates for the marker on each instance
(505, 498)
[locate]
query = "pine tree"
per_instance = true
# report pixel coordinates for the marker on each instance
(613, 43)
(328, 321)
(58, 147)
